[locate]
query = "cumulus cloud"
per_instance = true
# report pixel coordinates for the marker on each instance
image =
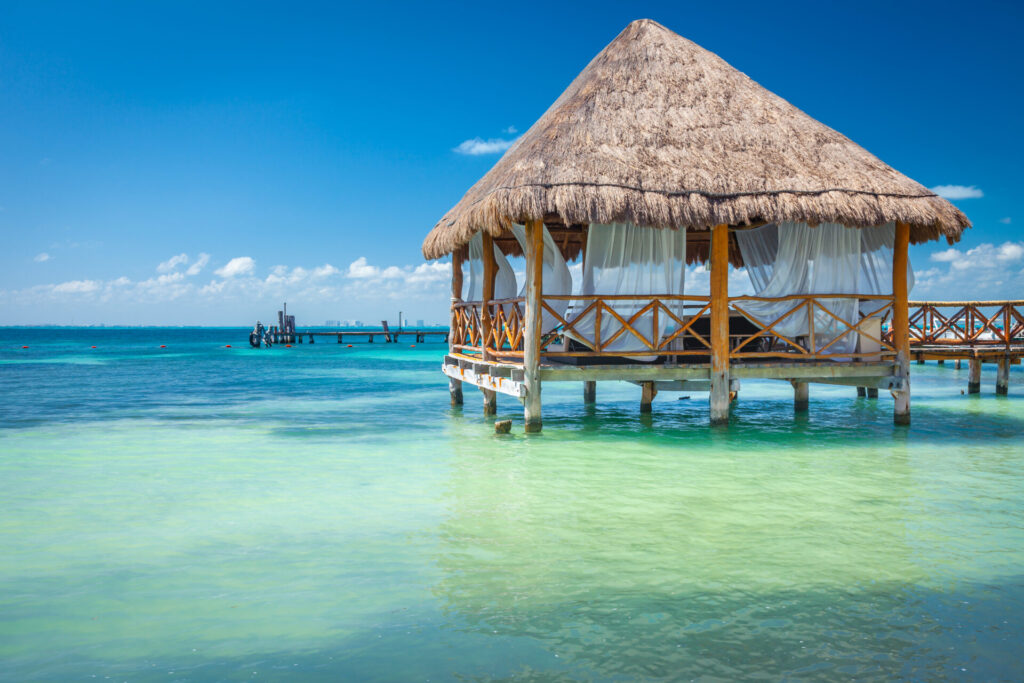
(987, 271)
(198, 266)
(958, 191)
(1005, 221)
(41, 257)
(172, 263)
(511, 130)
(982, 256)
(240, 265)
(478, 146)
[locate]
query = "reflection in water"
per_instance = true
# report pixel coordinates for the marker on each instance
(719, 556)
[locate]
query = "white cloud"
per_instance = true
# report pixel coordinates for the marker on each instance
(76, 287)
(1005, 221)
(478, 146)
(200, 263)
(172, 263)
(511, 130)
(987, 271)
(240, 265)
(958, 191)
(361, 269)
(41, 257)
(982, 257)
(946, 256)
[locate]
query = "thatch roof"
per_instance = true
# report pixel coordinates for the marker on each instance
(658, 131)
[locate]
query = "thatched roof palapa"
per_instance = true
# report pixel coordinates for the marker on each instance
(659, 132)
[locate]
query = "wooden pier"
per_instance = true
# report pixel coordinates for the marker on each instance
(419, 335)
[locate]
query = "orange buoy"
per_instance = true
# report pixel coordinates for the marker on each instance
(287, 346)
(24, 347)
(350, 346)
(163, 346)
(412, 346)
(93, 347)
(227, 346)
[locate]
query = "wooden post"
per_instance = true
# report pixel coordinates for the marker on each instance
(872, 392)
(974, 376)
(532, 318)
(490, 271)
(649, 391)
(490, 401)
(1003, 376)
(801, 396)
(590, 392)
(719, 324)
(957, 364)
(454, 385)
(901, 322)
(862, 392)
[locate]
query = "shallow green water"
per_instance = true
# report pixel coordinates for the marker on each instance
(202, 513)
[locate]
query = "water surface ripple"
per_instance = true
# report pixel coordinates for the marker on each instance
(204, 513)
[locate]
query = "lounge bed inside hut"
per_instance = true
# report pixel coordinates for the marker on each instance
(657, 173)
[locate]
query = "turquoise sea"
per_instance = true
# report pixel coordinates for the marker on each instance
(199, 513)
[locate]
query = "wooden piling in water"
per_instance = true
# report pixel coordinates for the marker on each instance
(974, 376)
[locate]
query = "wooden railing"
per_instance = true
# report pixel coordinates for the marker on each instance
(820, 339)
(966, 323)
(601, 323)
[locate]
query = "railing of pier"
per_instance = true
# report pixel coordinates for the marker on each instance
(966, 323)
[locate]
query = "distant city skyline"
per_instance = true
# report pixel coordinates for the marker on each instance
(193, 164)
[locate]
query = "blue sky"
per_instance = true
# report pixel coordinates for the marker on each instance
(304, 153)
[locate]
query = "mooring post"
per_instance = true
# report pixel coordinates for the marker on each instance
(862, 392)
(589, 392)
(647, 394)
(901, 322)
(974, 376)
(531, 341)
(801, 396)
(719, 397)
(1003, 376)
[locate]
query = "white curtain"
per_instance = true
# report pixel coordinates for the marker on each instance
(793, 258)
(627, 259)
(555, 278)
(504, 279)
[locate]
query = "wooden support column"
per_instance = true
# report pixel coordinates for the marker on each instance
(454, 385)
(490, 270)
(872, 392)
(974, 376)
(801, 396)
(590, 392)
(719, 324)
(490, 401)
(956, 365)
(532, 318)
(1003, 376)
(862, 392)
(901, 322)
(649, 391)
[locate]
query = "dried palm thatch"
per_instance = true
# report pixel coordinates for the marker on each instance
(659, 132)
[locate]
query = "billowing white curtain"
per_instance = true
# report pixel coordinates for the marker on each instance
(504, 279)
(793, 258)
(555, 278)
(627, 259)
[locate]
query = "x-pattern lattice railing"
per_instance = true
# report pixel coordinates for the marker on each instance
(819, 336)
(966, 323)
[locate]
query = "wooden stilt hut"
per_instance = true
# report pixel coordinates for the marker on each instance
(659, 155)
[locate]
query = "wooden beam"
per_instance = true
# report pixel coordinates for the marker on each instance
(1003, 377)
(801, 396)
(901, 322)
(974, 376)
(719, 324)
(532, 320)
(648, 392)
(490, 271)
